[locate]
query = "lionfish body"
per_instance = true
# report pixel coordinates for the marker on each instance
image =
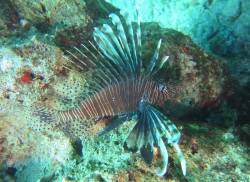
(124, 90)
(117, 99)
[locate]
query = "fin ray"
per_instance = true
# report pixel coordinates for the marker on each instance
(150, 131)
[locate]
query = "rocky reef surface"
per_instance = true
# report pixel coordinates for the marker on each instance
(34, 36)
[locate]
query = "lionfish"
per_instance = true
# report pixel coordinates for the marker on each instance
(123, 90)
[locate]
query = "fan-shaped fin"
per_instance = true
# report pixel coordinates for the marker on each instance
(138, 40)
(147, 153)
(123, 40)
(169, 131)
(109, 32)
(131, 39)
(181, 158)
(116, 55)
(154, 59)
(118, 44)
(131, 141)
(150, 131)
(155, 64)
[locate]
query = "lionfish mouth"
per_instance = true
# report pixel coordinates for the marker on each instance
(121, 89)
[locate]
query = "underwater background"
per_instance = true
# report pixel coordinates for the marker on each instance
(208, 44)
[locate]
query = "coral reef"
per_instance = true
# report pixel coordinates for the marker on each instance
(33, 37)
(25, 150)
(9, 21)
(59, 13)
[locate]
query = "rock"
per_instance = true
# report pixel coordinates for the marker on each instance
(34, 57)
(244, 132)
(75, 35)
(9, 21)
(46, 14)
(223, 116)
(202, 77)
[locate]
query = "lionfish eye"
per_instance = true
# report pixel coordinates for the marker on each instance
(162, 88)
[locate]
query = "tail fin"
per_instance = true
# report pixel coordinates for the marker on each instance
(152, 127)
(66, 121)
(47, 118)
(46, 115)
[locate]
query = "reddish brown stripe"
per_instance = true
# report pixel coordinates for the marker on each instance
(118, 98)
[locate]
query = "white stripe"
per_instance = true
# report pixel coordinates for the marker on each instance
(75, 114)
(88, 108)
(102, 106)
(66, 116)
(62, 116)
(80, 112)
(181, 158)
(109, 108)
(92, 105)
(91, 108)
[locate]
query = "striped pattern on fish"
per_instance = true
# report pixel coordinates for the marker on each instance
(118, 99)
(122, 89)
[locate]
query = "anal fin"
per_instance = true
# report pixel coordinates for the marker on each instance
(116, 122)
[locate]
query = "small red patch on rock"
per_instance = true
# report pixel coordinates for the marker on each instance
(27, 77)
(185, 49)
